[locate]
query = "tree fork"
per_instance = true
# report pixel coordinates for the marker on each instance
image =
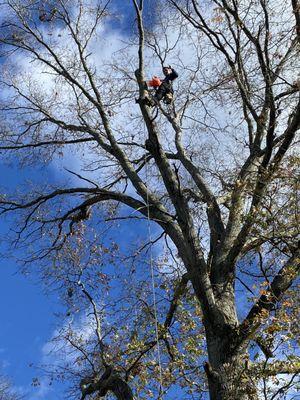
(109, 381)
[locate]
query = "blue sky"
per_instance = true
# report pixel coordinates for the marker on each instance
(26, 313)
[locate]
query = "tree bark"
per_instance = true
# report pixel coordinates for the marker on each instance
(227, 371)
(120, 389)
(110, 381)
(230, 378)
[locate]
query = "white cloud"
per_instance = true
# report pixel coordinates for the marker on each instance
(82, 326)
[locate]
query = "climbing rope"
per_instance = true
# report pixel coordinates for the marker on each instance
(153, 285)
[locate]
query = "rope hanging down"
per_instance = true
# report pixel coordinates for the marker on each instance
(160, 396)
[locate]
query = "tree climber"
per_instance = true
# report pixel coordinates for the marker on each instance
(165, 89)
(46, 16)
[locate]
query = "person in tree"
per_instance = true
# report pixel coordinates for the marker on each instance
(164, 89)
(47, 16)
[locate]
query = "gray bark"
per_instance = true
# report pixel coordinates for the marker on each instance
(227, 370)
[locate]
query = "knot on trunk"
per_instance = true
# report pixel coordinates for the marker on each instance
(211, 374)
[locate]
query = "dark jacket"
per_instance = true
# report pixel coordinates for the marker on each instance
(166, 85)
(171, 77)
(167, 82)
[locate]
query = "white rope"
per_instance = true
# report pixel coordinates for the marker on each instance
(136, 387)
(153, 287)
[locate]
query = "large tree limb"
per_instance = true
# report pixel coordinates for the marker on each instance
(296, 11)
(178, 292)
(190, 250)
(267, 301)
(263, 178)
(213, 209)
(46, 143)
(109, 381)
(96, 195)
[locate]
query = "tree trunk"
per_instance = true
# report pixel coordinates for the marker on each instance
(228, 374)
(227, 370)
(120, 389)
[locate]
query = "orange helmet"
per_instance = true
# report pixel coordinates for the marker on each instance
(155, 82)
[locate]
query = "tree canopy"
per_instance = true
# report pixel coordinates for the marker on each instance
(171, 231)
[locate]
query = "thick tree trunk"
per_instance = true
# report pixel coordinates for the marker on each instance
(120, 389)
(227, 370)
(228, 374)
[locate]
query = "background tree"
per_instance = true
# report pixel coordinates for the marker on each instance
(216, 173)
(6, 391)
